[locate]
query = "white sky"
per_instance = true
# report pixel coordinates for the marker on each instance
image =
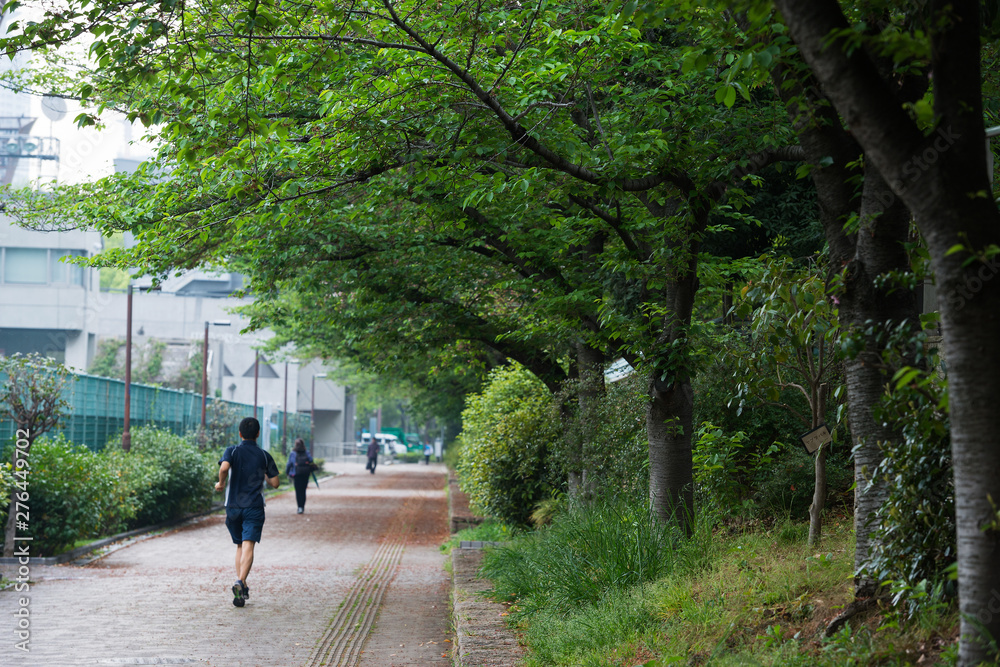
(86, 154)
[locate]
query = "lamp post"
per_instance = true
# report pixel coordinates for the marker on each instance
(312, 413)
(126, 433)
(204, 369)
(284, 416)
(256, 364)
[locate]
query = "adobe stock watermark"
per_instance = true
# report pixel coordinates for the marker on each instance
(915, 167)
(972, 284)
(22, 616)
(912, 170)
(990, 609)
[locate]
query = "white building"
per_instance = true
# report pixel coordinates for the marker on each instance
(48, 306)
(56, 309)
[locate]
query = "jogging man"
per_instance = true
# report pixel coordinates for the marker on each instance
(250, 467)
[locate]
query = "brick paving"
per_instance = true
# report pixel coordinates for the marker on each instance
(166, 600)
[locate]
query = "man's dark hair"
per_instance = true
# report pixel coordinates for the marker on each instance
(250, 428)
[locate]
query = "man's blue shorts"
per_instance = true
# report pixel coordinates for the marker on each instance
(245, 523)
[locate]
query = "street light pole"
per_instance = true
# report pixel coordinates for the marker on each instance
(126, 433)
(284, 416)
(312, 413)
(256, 363)
(204, 377)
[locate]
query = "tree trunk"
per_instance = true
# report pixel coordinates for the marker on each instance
(670, 412)
(818, 408)
(669, 427)
(876, 250)
(942, 178)
(819, 497)
(971, 329)
(869, 310)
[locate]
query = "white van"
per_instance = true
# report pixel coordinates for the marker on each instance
(387, 443)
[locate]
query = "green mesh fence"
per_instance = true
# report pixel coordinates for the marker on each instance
(96, 412)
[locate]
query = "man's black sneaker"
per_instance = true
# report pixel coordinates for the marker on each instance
(246, 591)
(239, 593)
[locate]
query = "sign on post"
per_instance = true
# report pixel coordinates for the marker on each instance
(816, 438)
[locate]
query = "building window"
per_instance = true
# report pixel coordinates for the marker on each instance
(64, 273)
(26, 266)
(39, 266)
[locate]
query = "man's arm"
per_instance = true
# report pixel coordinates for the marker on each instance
(223, 473)
(271, 471)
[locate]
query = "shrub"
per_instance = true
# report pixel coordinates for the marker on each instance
(506, 435)
(452, 454)
(221, 426)
(73, 496)
(166, 476)
(410, 457)
(280, 460)
(784, 487)
(721, 473)
(915, 534)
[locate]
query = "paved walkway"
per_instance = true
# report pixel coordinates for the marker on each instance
(356, 580)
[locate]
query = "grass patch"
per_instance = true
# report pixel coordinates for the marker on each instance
(756, 598)
(586, 553)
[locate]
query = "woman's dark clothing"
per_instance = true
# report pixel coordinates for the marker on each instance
(301, 482)
(298, 463)
(299, 468)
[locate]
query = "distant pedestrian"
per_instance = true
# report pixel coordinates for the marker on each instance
(300, 467)
(372, 455)
(428, 450)
(243, 470)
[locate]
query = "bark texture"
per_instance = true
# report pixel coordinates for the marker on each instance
(940, 178)
(877, 249)
(869, 309)
(818, 405)
(670, 413)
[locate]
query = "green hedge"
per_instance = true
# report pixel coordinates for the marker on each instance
(165, 476)
(72, 496)
(76, 494)
(507, 434)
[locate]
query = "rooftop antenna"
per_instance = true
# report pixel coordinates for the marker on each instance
(54, 108)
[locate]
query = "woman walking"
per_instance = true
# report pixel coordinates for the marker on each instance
(300, 467)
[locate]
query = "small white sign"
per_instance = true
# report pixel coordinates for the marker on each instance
(816, 438)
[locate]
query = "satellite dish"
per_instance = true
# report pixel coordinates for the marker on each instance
(54, 108)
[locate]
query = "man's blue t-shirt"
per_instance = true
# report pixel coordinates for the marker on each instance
(249, 465)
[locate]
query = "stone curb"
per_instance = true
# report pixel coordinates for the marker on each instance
(482, 638)
(140, 533)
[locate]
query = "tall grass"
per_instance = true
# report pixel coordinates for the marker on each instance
(588, 552)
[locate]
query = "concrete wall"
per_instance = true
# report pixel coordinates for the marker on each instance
(51, 318)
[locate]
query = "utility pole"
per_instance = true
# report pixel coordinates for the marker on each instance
(126, 433)
(284, 416)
